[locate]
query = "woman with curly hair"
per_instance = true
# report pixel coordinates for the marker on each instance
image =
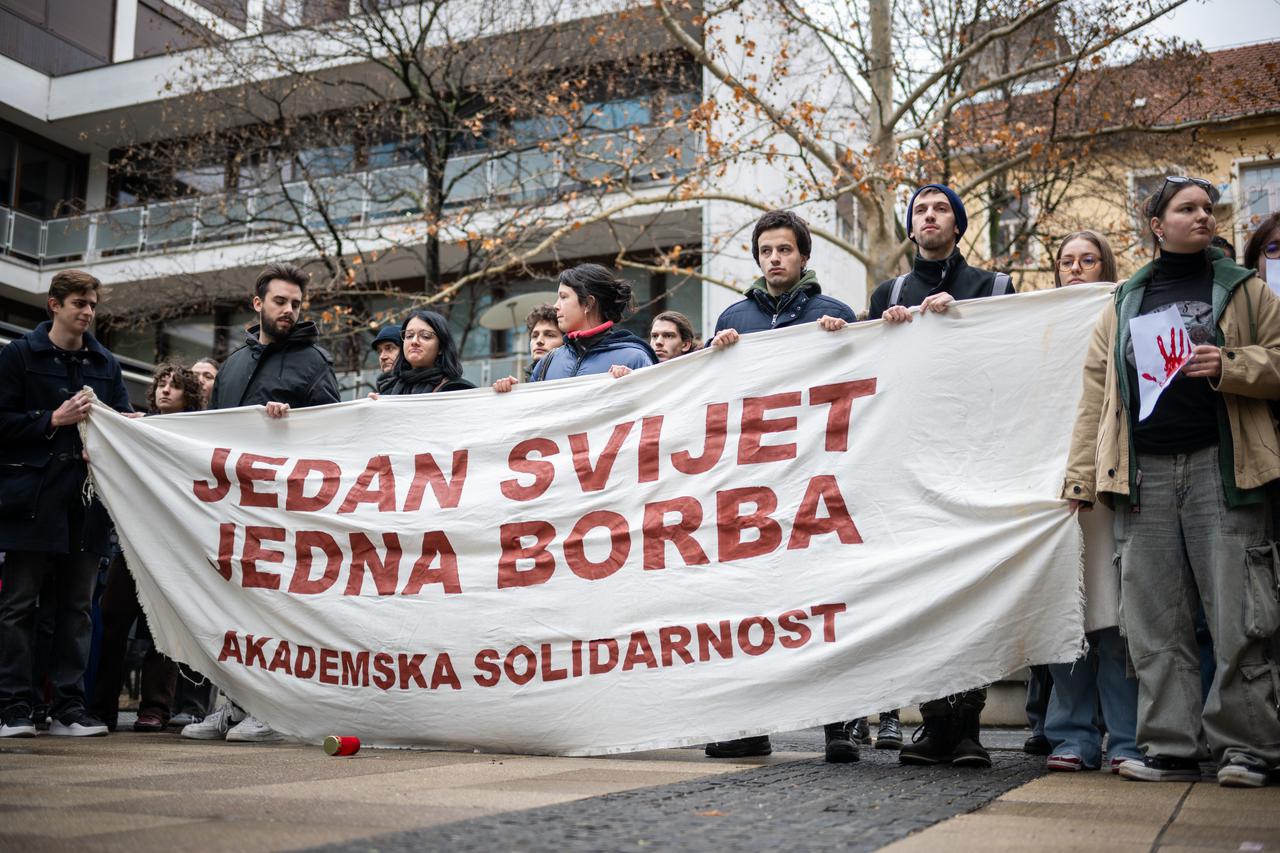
(174, 388)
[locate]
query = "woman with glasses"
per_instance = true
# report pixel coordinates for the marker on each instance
(1187, 484)
(1071, 725)
(428, 361)
(590, 303)
(1264, 246)
(1084, 257)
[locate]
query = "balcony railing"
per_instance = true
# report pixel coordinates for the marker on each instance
(347, 201)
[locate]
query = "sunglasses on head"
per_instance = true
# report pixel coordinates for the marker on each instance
(1178, 182)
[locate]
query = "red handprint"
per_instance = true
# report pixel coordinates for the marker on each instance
(1174, 359)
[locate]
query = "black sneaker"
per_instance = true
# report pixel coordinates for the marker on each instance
(841, 748)
(1157, 768)
(889, 732)
(78, 724)
(1243, 771)
(41, 715)
(16, 723)
(743, 747)
(1037, 745)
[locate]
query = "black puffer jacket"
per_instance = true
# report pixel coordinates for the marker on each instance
(41, 470)
(927, 277)
(296, 371)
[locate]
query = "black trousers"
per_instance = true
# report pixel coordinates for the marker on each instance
(120, 609)
(68, 579)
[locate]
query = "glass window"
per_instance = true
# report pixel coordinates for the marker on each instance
(201, 180)
(331, 160)
(46, 182)
(1260, 186)
(395, 152)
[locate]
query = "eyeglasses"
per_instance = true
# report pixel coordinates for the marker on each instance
(1180, 181)
(1086, 262)
(422, 335)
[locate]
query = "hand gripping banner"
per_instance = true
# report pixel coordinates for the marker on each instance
(802, 528)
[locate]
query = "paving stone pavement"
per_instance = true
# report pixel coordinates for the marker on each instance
(795, 806)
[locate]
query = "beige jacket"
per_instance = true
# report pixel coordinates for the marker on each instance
(1099, 461)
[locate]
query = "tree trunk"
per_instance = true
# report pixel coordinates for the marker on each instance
(883, 237)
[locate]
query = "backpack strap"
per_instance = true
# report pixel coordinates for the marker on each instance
(1002, 284)
(896, 293)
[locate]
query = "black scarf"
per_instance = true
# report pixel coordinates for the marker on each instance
(412, 380)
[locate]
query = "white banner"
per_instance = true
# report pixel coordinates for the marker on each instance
(802, 528)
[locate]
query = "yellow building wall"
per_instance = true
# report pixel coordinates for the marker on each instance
(1100, 203)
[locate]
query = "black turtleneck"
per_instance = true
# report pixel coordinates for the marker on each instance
(1185, 418)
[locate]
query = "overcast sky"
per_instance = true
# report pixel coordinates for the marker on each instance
(1220, 23)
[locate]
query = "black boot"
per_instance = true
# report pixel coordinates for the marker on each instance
(969, 751)
(934, 742)
(841, 747)
(743, 747)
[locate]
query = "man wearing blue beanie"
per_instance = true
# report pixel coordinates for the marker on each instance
(936, 220)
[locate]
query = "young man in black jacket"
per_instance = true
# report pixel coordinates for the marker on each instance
(786, 294)
(52, 539)
(281, 367)
(936, 220)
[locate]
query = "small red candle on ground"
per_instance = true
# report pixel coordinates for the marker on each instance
(336, 745)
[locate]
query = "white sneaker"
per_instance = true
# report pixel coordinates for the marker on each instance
(253, 730)
(216, 725)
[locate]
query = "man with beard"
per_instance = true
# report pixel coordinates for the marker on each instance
(936, 220)
(280, 367)
(786, 294)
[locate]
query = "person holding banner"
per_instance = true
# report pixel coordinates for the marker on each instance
(786, 294)
(590, 303)
(936, 220)
(52, 535)
(1197, 466)
(1100, 677)
(428, 362)
(280, 366)
(173, 389)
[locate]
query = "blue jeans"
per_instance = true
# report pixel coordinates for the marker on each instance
(1078, 687)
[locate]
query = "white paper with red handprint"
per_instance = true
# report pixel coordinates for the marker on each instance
(1161, 346)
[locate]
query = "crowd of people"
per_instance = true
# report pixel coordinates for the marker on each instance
(1151, 699)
